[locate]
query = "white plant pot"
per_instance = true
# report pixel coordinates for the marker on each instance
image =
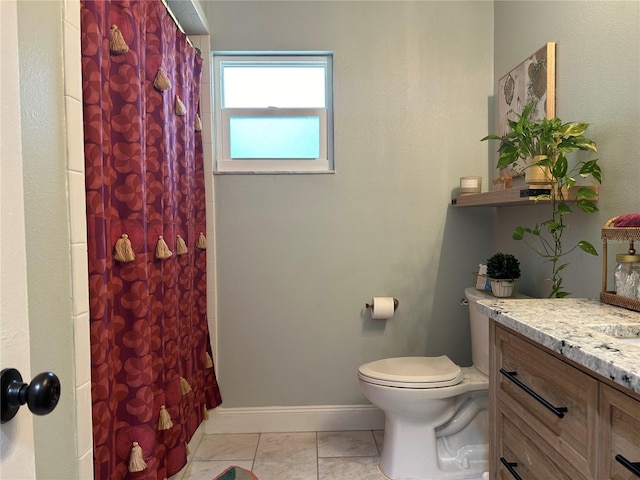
(503, 288)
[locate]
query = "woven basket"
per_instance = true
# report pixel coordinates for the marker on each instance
(609, 232)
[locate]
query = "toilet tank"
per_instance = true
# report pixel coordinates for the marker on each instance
(479, 324)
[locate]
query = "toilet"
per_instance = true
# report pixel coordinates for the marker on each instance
(436, 413)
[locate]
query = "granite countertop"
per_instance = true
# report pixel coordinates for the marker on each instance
(579, 329)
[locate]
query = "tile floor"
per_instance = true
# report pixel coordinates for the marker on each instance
(349, 455)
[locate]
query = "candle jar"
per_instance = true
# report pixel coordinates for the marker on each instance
(613, 234)
(627, 274)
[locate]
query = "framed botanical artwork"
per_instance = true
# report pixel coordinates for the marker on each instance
(534, 79)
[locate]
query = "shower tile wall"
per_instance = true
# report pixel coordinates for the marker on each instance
(206, 103)
(78, 234)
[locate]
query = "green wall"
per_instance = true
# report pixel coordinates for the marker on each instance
(597, 81)
(298, 256)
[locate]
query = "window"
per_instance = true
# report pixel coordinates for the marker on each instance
(273, 113)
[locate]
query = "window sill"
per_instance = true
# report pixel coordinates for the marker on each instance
(262, 172)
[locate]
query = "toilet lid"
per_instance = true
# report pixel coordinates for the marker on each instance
(412, 372)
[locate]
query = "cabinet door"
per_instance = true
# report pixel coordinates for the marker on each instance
(619, 435)
(533, 382)
(522, 453)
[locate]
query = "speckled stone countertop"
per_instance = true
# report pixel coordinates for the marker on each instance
(582, 330)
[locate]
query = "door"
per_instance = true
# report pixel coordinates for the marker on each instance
(17, 459)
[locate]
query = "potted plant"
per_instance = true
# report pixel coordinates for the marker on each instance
(549, 141)
(503, 270)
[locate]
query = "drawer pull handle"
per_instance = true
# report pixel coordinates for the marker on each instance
(559, 411)
(633, 467)
(510, 466)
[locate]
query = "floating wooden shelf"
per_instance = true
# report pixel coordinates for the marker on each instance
(511, 197)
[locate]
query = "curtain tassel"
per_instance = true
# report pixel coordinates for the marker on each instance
(209, 361)
(197, 124)
(180, 108)
(161, 81)
(205, 413)
(202, 242)
(164, 422)
(184, 386)
(162, 250)
(181, 246)
(136, 460)
(123, 250)
(117, 45)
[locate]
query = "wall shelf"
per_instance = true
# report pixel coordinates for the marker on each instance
(511, 197)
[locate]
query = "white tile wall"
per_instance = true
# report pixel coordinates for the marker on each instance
(85, 434)
(77, 194)
(82, 349)
(85, 470)
(78, 234)
(75, 138)
(206, 107)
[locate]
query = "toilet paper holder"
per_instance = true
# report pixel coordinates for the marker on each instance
(396, 302)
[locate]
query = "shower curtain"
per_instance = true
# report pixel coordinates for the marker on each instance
(152, 369)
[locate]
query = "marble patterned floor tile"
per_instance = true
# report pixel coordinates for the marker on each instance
(286, 468)
(347, 444)
(352, 468)
(206, 470)
(350, 455)
(290, 456)
(237, 446)
(287, 444)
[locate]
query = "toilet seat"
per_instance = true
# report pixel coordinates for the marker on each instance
(412, 372)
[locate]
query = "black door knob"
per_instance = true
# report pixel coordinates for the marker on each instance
(41, 395)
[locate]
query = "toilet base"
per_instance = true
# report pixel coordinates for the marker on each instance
(413, 452)
(484, 476)
(434, 433)
(452, 446)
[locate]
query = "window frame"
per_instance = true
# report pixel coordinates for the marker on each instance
(223, 161)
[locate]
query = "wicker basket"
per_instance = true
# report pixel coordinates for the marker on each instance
(609, 232)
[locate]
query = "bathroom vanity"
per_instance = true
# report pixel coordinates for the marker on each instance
(564, 389)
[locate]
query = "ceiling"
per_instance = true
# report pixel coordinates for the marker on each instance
(190, 15)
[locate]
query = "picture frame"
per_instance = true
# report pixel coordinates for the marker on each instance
(534, 79)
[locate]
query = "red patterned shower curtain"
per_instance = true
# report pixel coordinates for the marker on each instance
(152, 369)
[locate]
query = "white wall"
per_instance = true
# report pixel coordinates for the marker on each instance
(298, 256)
(597, 81)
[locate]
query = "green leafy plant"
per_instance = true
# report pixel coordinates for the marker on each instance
(503, 266)
(550, 141)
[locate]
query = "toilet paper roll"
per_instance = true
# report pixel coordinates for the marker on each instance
(383, 307)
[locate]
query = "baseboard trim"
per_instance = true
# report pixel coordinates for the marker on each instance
(313, 418)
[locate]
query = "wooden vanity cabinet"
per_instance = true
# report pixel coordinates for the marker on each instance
(619, 435)
(552, 420)
(521, 451)
(554, 401)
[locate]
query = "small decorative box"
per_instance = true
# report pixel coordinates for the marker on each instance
(501, 183)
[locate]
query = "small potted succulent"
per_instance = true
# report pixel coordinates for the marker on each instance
(503, 270)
